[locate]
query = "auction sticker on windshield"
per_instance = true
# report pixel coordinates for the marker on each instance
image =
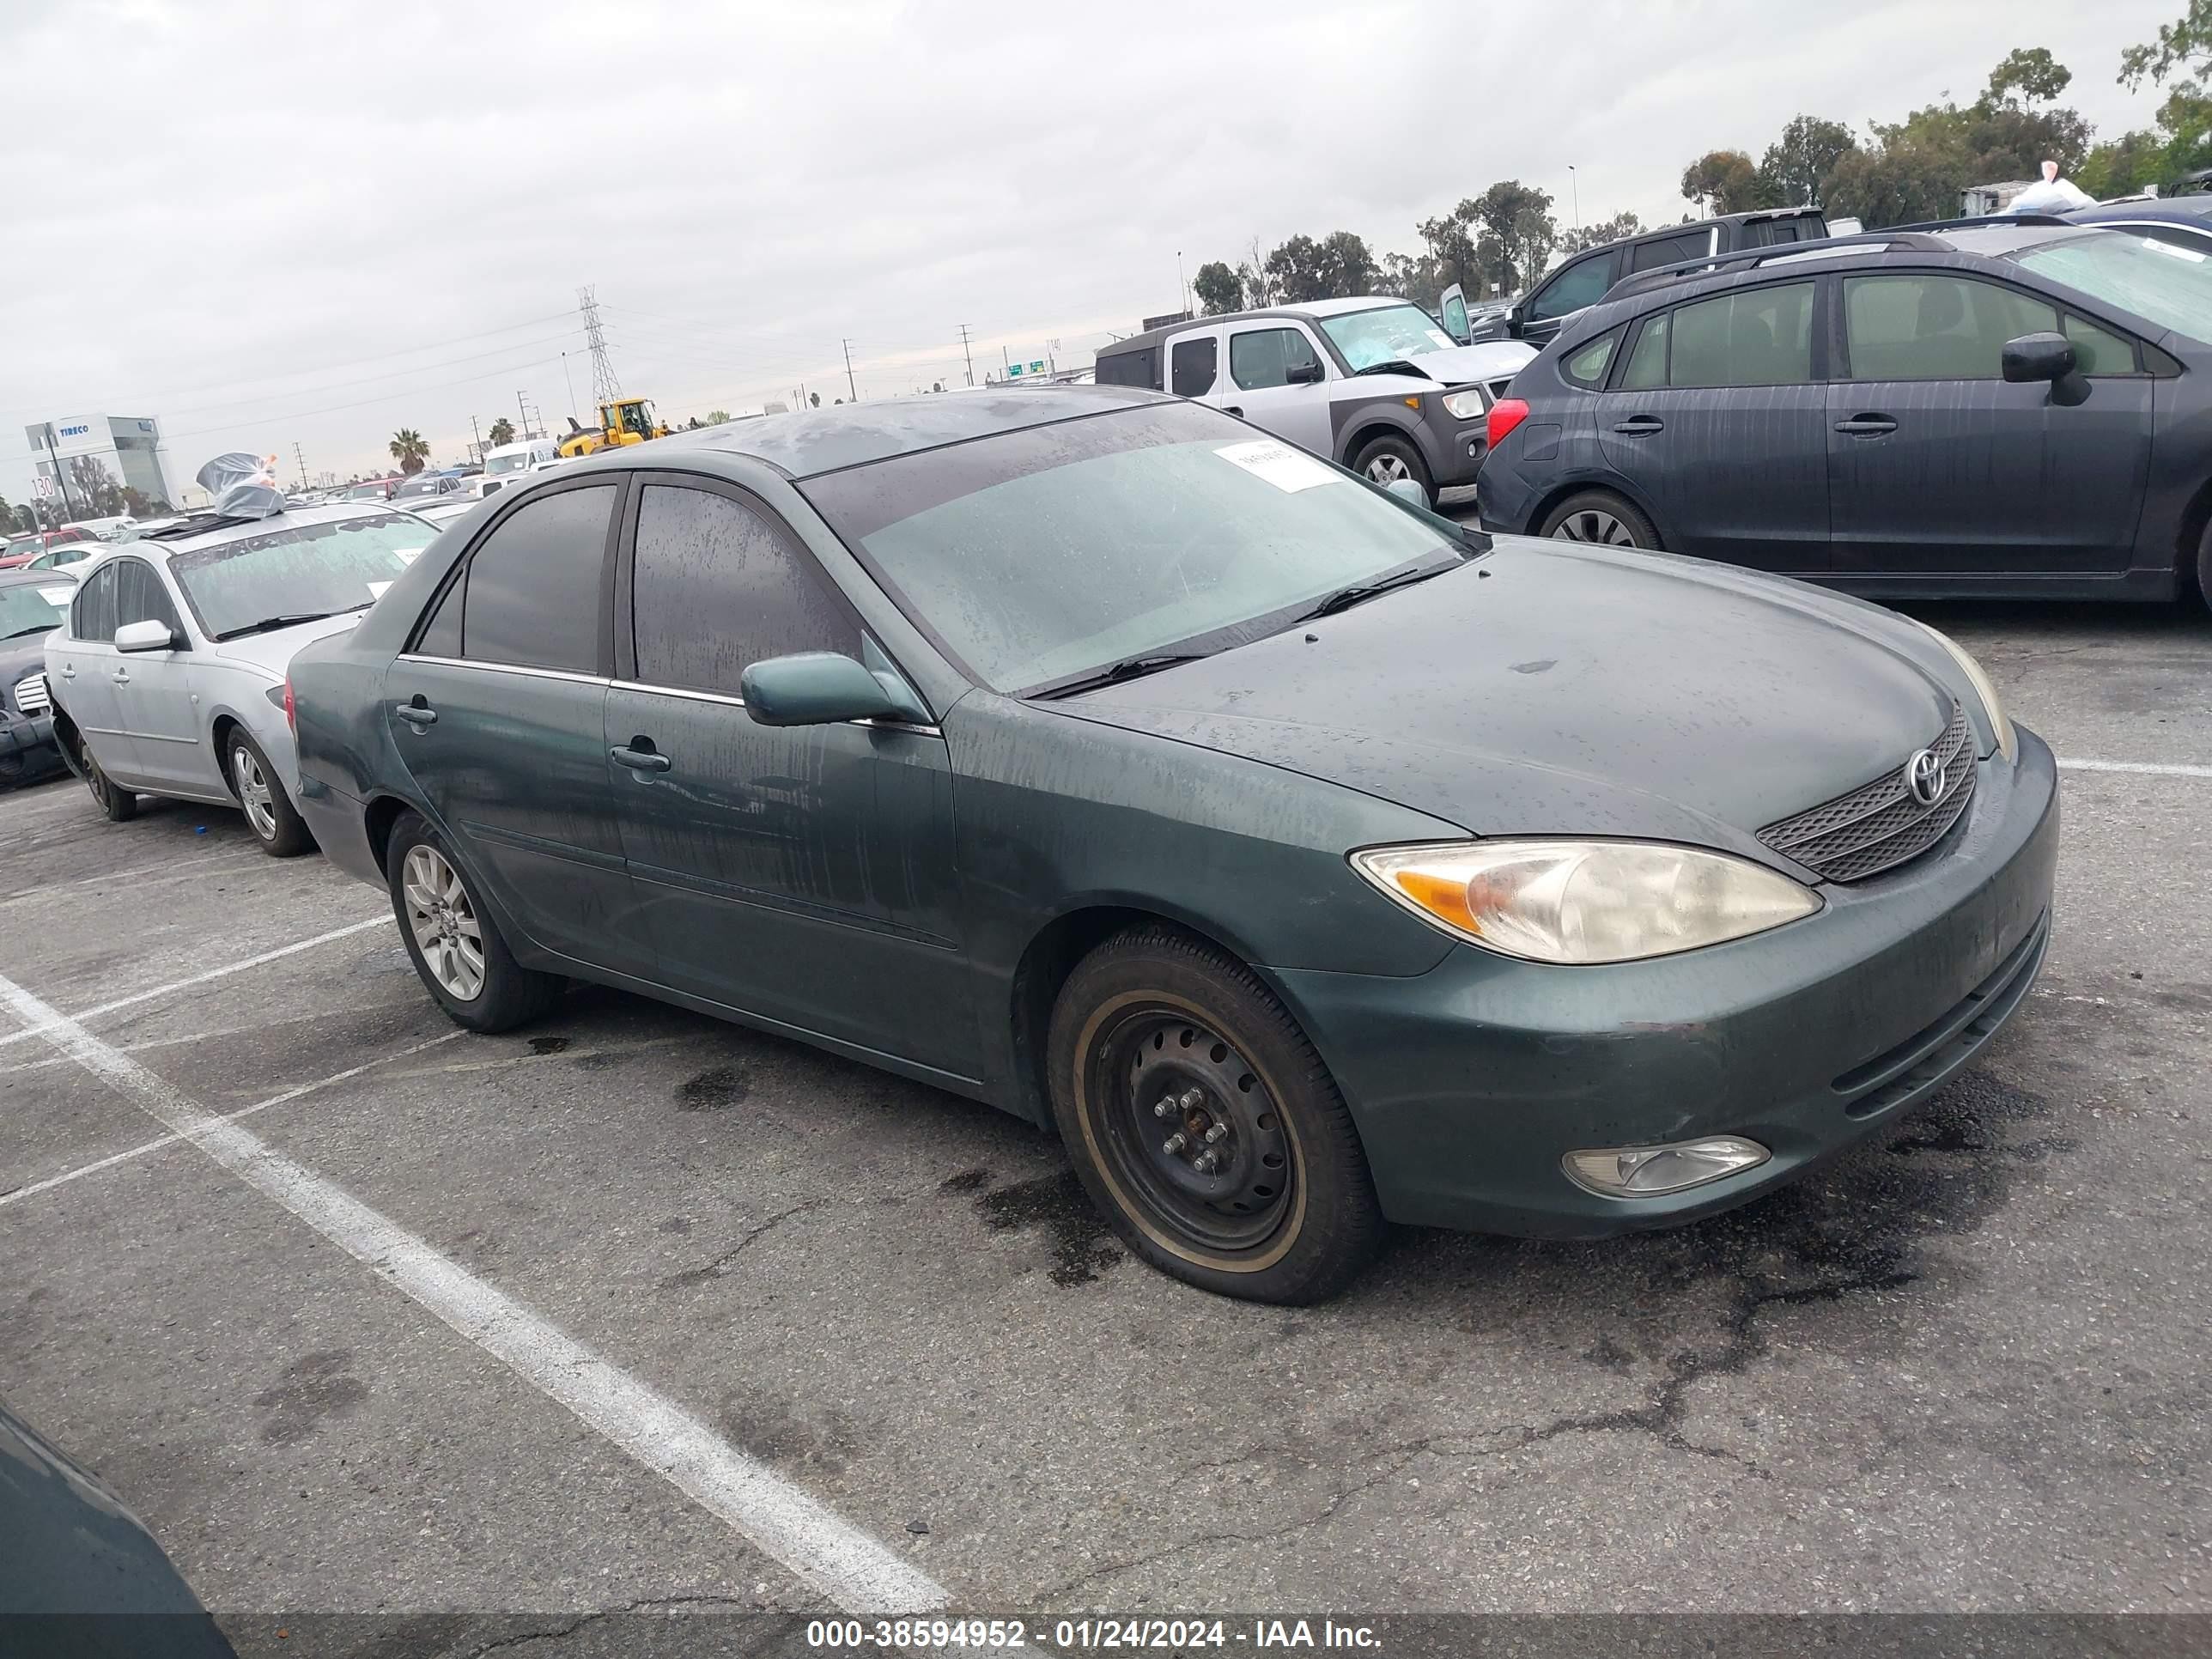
(1278, 464)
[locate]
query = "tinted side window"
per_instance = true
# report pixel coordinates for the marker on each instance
(1587, 365)
(533, 587)
(1455, 323)
(1667, 250)
(1754, 337)
(1936, 328)
(1573, 288)
(1129, 368)
(1647, 364)
(715, 586)
(2098, 350)
(1263, 356)
(442, 637)
(95, 617)
(1191, 362)
(140, 597)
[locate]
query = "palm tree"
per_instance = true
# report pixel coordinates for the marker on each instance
(408, 450)
(502, 432)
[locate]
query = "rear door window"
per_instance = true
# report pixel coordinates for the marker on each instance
(1934, 327)
(717, 584)
(534, 583)
(1587, 366)
(1751, 336)
(1191, 366)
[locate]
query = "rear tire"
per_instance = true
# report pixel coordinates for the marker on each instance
(453, 942)
(1600, 517)
(1387, 458)
(1203, 1124)
(116, 805)
(275, 823)
(2204, 565)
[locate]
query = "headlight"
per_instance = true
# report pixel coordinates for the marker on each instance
(1585, 900)
(1466, 405)
(2008, 740)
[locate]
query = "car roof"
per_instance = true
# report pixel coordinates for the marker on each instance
(2193, 210)
(24, 576)
(1307, 310)
(212, 529)
(819, 440)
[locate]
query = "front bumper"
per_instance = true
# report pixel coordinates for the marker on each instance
(27, 749)
(1469, 1082)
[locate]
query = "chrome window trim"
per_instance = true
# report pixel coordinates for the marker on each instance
(504, 668)
(729, 701)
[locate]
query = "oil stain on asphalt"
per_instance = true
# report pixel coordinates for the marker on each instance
(314, 1387)
(1082, 1247)
(714, 1091)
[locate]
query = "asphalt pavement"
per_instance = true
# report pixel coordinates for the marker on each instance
(832, 1338)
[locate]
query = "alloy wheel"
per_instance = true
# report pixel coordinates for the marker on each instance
(253, 792)
(1389, 469)
(444, 921)
(1593, 525)
(1190, 1129)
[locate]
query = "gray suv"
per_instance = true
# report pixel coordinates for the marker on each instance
(1372, 383)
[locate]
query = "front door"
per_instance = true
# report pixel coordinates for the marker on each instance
(498, 711)
(80, 676)
(801, 874)
(1262, 357)
(1573, 287)
(1718, 421)
(1938, 465)
(1451, 307)
(153, 690)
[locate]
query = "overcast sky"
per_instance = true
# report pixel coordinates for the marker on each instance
(267, 224)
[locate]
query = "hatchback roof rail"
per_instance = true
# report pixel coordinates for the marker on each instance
(1985, 219)
(1750, 257)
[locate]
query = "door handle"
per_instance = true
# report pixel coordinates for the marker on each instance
(68, 671)
(418, 715)
(1233, 409)
(1637, 425)
(639, 760)
(1867, 426)
(121, 676)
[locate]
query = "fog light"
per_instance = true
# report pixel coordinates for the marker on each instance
(1648, 1171)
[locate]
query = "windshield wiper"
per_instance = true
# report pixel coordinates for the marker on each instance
(267, 624)
(35, 628)
(1345, 598)
(1395, 366)
(1129, 668)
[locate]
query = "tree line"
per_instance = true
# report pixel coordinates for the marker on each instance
(1903, 171)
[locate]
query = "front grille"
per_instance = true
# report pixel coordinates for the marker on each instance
(31, 696)
(1880, 825)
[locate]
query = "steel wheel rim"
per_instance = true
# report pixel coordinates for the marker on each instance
(443, 920)
(254, 793)
(95, 779)
(1389, 469)
(1593, 525)
(1145, 1068)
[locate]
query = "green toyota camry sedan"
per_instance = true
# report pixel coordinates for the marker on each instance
(1306, 861)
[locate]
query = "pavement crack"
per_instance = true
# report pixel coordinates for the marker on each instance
(646, 1604)
(714, 1269)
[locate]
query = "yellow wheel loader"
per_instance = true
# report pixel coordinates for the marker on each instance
(625, 420)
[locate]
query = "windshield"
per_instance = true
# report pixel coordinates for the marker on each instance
(24, 609)
(1042, 554)
(2170, 286)
(495, 464)
(1369, 337)
(301, 570)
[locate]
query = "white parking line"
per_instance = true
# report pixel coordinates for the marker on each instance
(2155, 768)
(857, 1572)
(18, 1194)
(201, 979)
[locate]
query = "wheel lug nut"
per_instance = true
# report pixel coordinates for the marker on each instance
(1216, 1133)
(1165, 1107)
(1192, 1099)
(1206, 1164)
(1173, 1144)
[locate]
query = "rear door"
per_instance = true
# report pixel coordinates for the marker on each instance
(1262, 358)
(1938, 465)
(1194, 368)
(800, 874)
(153, 690)
(81, 669)
(498, 710)
(1718, 417)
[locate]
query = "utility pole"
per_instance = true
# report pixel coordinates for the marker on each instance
(1183, 293)
(571, 385)
(478, 430)
(849, 388)
(1007, 358)
(970, 355)
(302, 459)
(1575, 185)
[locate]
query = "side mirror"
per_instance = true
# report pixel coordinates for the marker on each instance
(1303, 374)
(1409, 490)
(814, 688)
(147, 636)
(2046, 356)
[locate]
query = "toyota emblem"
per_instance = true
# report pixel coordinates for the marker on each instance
(1924, 777)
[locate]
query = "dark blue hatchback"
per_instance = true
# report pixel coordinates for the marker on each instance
(1988, 409)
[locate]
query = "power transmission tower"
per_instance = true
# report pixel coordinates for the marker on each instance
(302, 459)
(605, 388)
(849, 390)
(970, 355)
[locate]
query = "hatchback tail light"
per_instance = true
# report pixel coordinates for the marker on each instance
(1505, 415)
(291, 715)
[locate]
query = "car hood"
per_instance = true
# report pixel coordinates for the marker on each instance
(1494, 360)
(271, 652)
(19, 657)
(1551, 689)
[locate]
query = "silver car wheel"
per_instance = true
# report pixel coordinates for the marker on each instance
(254, 793)
(443, 923)
(1593, 525)
(1387, 469)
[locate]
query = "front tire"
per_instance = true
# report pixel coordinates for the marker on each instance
(1385, 459)
(2204, 566)
(1205, 1126)
(454, 943)
(275, 823)
(1602, 517)
(116, 805)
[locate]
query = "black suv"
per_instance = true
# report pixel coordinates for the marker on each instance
(1582, 281)
(2007, 408)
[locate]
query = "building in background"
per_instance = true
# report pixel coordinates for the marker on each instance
(94, 466)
